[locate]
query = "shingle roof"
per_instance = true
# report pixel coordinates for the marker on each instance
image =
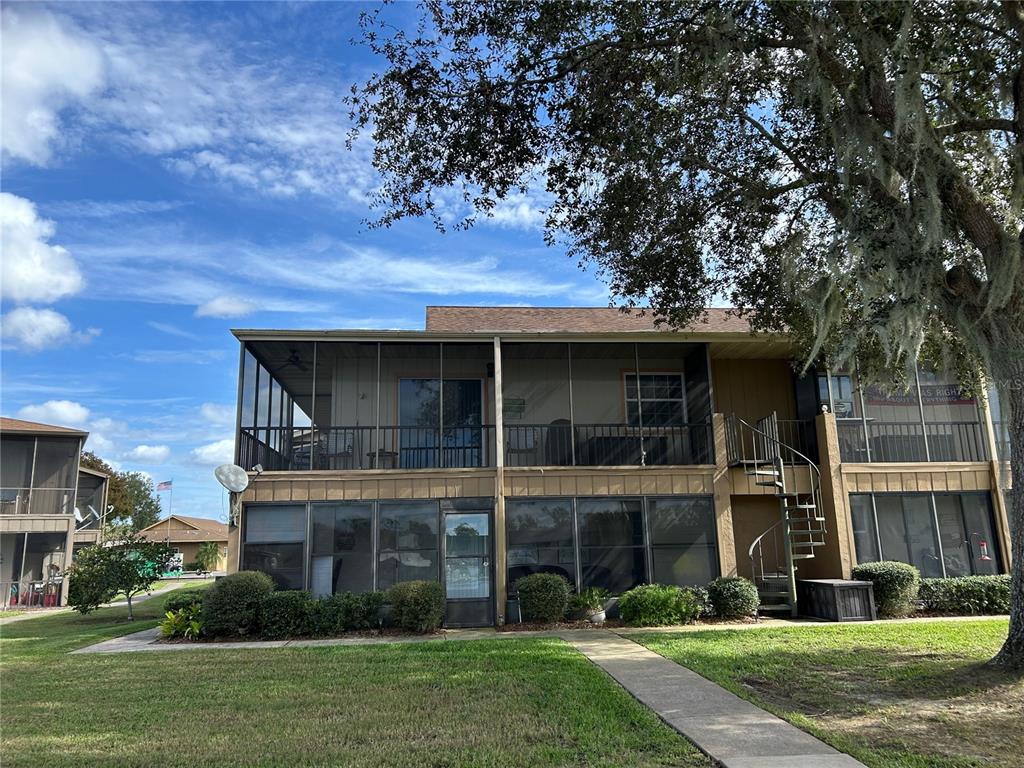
(20, 426)
(204, 530)
(569, 320)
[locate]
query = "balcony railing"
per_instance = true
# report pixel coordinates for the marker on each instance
(894, 441)
(602, 445)
(359, 447)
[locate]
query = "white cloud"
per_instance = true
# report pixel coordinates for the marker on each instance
(172, 330)
(47, 65)
(520, 212)
(104, 209)
(226, 306)
(209, 104)
(33, 270)
(175, 356)
(213, 454)
(61, 413)
(149, 454)
(101, 445)
(219, 415)
(31, 330)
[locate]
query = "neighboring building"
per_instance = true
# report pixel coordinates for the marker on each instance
(187, 534)
(48, 507)
(504, 441)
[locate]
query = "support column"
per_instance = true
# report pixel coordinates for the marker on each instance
(500, 546)
(835, 559)
(995, 470)
(69, 548)
(723, 500)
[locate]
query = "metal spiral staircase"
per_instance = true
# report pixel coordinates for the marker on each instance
(774, 554)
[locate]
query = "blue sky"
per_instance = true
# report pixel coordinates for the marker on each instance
(174, 171)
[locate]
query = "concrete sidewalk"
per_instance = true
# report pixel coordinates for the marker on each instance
(727, 728)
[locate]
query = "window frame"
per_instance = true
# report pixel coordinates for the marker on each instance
(640, 399)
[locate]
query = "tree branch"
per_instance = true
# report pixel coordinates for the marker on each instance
(971, 125)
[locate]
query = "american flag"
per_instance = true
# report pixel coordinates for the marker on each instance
(165, 485)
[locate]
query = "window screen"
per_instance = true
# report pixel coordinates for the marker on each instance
(611, 540)
(684, 548)
(540, 539)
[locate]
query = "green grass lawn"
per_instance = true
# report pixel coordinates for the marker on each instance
(913, 695)
(482, 703)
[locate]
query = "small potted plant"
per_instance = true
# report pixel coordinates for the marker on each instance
(590, 604)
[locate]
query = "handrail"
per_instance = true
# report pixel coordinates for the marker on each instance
(761, 432)
(757, 541)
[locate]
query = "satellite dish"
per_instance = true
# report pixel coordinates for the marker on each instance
(232, 477)
(78, 516)
(93, 512)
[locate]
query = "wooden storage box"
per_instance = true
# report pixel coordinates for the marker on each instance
(836, 599)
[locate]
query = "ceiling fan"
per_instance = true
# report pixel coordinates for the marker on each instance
(294, 359)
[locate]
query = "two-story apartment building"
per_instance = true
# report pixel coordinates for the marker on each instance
(49, 506)
(500, 442)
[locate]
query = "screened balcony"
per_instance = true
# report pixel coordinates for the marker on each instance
(366, 405)
(430, 405)
(605, 404)
(930, 420)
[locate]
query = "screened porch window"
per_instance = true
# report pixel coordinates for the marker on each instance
(428, 429)
(661, 397)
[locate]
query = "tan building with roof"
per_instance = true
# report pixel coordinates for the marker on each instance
(49, 505)
(187, 534)
(502, 441)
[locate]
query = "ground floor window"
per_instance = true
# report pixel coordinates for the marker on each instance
(361, 546)
(941, 534)
(342, 548)
(540, 538)
(614, 543)
(275, 541)
(408, 542)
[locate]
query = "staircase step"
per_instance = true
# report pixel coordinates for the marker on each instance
(763, 593)
(797, 556)
(801, 506)
(769, 484)
(756, 472)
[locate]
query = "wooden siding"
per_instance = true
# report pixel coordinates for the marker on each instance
(753, 388)
(917, 478)
(360, 485)
(609, 481)
(38, 524)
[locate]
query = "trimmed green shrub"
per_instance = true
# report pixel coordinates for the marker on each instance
(965, 595)
(733, 597)
(183, 598)
(232, 605)
(287, 614)
(658, 605)
(543, 597)
(895, 586)
(348, 611)
(417, 606)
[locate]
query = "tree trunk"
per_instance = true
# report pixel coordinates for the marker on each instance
(131, 616)
(1011, 656)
